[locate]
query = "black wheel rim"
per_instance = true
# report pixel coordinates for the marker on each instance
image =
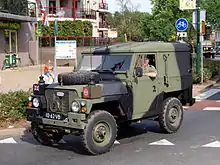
(174, 116)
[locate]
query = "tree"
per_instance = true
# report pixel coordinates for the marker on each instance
(126, 21)
(165, 13)
(212, 12)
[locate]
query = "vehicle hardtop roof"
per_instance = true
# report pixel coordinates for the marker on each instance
(140, 47)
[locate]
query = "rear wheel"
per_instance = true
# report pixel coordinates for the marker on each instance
(100, 132)
(171, 116)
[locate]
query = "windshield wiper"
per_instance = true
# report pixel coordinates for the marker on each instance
(103, 70)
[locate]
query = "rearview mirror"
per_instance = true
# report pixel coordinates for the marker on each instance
(139, 71)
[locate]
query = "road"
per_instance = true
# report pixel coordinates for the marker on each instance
(139, 145)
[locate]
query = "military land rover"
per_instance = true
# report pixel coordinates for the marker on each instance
(109, 89)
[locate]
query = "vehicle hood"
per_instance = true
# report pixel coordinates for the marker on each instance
(108, 88)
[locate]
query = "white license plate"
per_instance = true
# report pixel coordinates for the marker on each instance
(53, 116)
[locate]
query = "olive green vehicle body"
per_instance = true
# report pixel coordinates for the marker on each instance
(135, 97)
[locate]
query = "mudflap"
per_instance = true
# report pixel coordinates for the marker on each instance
(192, 101)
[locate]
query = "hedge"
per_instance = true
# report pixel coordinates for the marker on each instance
(65, 28)
(211, 69)
(12, 105)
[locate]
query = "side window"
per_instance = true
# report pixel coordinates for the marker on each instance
(139, 62)
(152, 60)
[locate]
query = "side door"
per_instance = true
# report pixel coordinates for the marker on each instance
(145, 89)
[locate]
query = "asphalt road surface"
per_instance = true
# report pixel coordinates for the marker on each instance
(195, 143)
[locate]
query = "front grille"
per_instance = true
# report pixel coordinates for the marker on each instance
(59, 103)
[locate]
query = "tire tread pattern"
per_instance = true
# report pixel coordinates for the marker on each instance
(162, 116)
(90, 120)
(77, 78)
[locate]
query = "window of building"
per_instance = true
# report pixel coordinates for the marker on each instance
(11, 41)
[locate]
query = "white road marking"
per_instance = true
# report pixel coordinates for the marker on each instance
(211, 109)
(218, 101)
(8, 140)
(162, 142)
(202, 94)
(214, 144)
(116, 142)
(197, 97)
(62, 141)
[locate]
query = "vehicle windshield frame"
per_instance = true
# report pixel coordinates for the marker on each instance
(127, 61)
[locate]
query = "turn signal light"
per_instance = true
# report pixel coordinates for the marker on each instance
(86, 92)
(30, 104)
(83, 109)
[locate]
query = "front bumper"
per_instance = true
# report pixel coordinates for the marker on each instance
(72, 120)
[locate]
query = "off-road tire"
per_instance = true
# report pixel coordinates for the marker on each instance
(77, 78)
(95, 118)
(163, 118)
(44, 137)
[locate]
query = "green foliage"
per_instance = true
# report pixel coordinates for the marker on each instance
(13, 104)
(207, 75)
(212, 12)
(160, 25)
(211, 69)
(68, 28)
(65, 28)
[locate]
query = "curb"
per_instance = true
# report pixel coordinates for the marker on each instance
(209, 86)
(14, 131)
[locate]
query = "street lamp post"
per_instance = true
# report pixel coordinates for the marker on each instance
(198, 50)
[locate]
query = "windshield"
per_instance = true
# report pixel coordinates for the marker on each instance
(105, 62)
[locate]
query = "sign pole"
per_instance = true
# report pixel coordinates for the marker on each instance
(198, 50)
(202, 77)
(55, 60)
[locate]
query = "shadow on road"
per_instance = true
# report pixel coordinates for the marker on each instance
(73, 143)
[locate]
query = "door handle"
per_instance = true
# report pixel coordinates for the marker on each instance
(154, 88)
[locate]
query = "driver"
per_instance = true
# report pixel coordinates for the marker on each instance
(149, 70)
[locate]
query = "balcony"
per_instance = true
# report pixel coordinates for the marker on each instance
(86, 14)
(103, 6)
(25, 9)
(68, 12)
(103, 25)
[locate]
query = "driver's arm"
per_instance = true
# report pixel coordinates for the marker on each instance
(152, 72)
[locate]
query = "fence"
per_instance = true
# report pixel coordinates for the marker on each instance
(47, 47)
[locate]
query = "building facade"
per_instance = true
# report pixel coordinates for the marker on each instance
(17, 33)
(90, 10)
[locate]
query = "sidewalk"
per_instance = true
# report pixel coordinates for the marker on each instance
(23, 78)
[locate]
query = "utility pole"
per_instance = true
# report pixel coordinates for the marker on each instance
(198, 46)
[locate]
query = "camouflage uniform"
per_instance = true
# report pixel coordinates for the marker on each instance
(148, 69)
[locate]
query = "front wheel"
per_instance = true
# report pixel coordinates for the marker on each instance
(171, 116)
(100, 132)
(45, 137)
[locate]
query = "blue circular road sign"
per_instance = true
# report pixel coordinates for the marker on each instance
(181, 24)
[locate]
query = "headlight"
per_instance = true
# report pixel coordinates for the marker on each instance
(36, 102)
(75, 106)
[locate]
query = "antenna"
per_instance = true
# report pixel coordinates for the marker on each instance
(91, 53)
(41, 78)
